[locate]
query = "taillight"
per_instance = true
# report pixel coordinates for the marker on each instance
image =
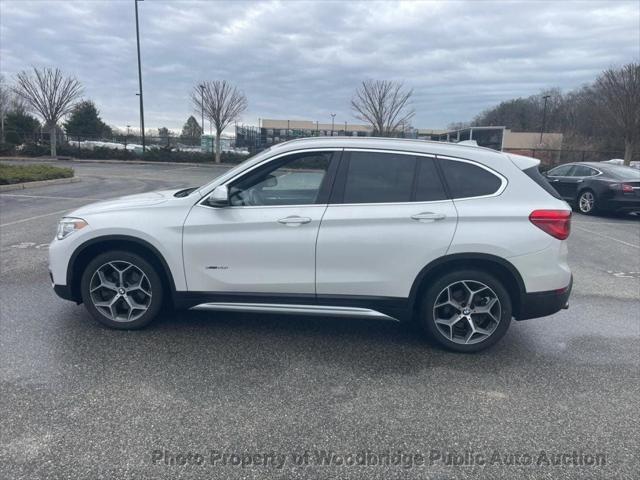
(623, 187)
(556, 223)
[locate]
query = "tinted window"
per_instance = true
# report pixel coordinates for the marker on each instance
(468, 180)
(622, 172)
(295, 180)
(582, 171)
(428, 184)
(560, 171)
(534, 174)
(379, 178)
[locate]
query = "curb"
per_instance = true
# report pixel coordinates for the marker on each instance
(132, 162)
(38, 183)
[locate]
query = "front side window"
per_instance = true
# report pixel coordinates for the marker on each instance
(294, 180)
(468, 180)
(561, 171)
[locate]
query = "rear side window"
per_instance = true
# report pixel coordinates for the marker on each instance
(379, 178)
(583, 171)
(429, 187)
(468, 180)
(534, 174)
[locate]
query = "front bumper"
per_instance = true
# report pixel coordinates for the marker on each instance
(541, 304)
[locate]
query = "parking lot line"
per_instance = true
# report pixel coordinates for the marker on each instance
(608, 237)
(34, 218)
(49, 197)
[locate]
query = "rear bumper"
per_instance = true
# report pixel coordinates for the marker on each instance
(622, 203)
(541, 304)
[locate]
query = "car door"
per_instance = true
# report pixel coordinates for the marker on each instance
(388, 217)
(577, 176)
(264, 241)
(560, 179)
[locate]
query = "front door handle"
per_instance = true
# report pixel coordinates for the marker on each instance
(428, 216)
(294, 220)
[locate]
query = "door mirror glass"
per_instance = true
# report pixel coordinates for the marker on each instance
(219, 197)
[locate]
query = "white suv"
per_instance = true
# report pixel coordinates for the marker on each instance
(459, 238)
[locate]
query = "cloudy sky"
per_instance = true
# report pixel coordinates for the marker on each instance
(303, 60)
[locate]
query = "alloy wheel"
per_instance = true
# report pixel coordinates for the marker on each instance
(120, 291)
(586, 202)
(467, 312)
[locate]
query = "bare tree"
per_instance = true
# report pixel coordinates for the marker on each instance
(5, 100)
(384, 104)
(50, 94)
(221, 102)
(618, 94)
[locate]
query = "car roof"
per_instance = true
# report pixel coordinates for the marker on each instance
(401, 144)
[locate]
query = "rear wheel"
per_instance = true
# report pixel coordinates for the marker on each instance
(466, 310)
(121, 290)
(587, 202)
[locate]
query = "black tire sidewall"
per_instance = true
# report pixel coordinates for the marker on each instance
(429, 298)
(151, 273)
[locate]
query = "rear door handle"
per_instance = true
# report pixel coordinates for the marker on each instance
(294, 220)
(428, 216)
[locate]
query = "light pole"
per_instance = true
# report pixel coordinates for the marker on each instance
(140, 78)
(544, 116)
(345, 128)
(126, 138)
(333, 117)
(202, 108)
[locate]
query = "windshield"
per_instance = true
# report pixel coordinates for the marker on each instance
(258, 157)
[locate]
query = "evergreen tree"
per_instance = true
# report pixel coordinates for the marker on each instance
(20, 127)
(85, 121)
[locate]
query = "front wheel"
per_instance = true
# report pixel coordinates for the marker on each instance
(121, 290)
(587, 202)
(466, 310)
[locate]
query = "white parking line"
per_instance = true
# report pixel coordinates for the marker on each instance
(34, 218)
(50, 197)
(608, 237)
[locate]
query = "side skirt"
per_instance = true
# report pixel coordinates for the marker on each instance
(390, 308)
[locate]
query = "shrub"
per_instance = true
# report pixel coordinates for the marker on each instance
(10, 174)
(7, 149)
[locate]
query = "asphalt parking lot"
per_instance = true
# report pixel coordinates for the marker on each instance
(81, 401)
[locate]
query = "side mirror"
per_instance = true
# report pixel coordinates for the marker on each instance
(270, 181)
(219, 197)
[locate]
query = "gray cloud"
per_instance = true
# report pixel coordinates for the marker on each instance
(298, 59)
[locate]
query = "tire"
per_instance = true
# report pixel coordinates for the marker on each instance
(587, 202)
(116, 282)
(448, 298)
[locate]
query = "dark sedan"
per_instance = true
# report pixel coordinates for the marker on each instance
(597, 186)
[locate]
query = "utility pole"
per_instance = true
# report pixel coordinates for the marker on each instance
(202, 108)
(317, 129)
(345, 128)
(333, 117)
(544, 116)
(140, 79)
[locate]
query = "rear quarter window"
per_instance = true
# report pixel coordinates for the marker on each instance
(534, 174)
(468, 180)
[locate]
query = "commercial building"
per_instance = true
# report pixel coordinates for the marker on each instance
(272, 131)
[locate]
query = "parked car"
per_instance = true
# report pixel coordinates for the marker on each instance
(597, 186)
(458, 238)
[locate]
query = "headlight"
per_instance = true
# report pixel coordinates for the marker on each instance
(69, 225)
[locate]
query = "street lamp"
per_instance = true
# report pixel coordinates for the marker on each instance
(333, 117)
(544, 116)
(140, 78)
(345, 128)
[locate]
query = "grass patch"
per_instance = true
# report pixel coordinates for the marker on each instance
(10, 174)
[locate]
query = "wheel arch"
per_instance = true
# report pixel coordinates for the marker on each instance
(89, 249)
(501, 268)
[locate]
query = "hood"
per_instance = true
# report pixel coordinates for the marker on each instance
(139, 200)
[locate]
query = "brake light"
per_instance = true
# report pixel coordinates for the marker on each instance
(556, 223)
(623, 187)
